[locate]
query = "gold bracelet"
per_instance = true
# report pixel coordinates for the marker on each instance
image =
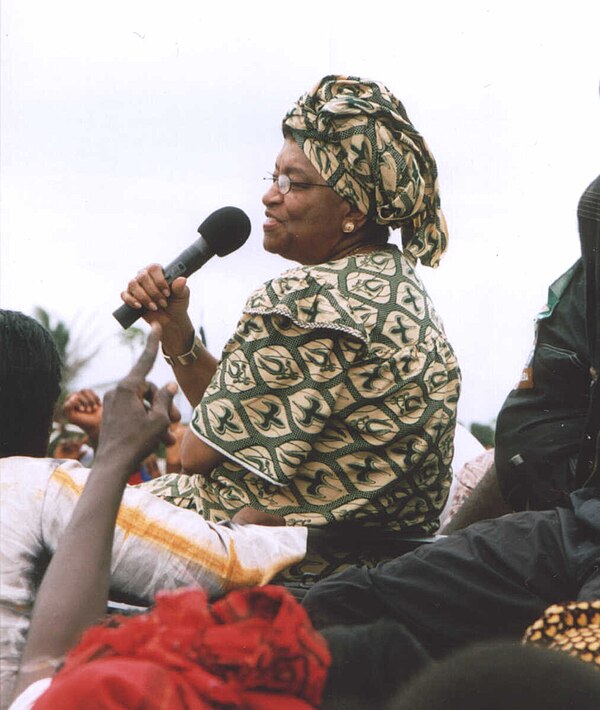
(186, 358)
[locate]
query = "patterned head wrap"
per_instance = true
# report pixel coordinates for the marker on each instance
(359, 138)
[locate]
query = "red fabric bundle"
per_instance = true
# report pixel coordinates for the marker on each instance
(253, 649)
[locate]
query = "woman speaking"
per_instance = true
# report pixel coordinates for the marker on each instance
(335, 399)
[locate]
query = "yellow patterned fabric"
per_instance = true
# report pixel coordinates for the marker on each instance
(335, 401)
(357, 134)
(573, 628)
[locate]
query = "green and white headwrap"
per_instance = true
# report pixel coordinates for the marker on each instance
(357, 135)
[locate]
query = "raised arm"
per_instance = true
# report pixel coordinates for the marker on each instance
(130, 431)
(168, 306)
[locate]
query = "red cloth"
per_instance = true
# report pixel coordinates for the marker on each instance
(254, 649)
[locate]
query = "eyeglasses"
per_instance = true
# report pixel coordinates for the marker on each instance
(284, 184)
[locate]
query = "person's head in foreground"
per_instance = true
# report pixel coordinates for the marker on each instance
(504, 676)
(30, 376)
(351, 168)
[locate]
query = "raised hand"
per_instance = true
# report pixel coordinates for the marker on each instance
(136, 415)
(84, 408)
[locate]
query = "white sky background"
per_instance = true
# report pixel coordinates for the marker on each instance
(124, 124)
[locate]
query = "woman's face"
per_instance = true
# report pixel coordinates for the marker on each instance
(304, 225)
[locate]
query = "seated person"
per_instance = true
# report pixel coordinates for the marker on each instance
(542, 423)
(335, 399)
(156, 545)
(547, 417)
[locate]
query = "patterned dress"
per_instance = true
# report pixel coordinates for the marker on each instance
(334, 401)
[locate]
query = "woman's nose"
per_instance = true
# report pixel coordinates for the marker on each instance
(272, 194)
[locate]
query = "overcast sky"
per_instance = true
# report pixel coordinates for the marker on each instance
(124, 124)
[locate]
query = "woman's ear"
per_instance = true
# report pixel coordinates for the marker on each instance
(356, 217)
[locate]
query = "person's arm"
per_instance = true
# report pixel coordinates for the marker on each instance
(255, 398)
(74, 592)
(173, 452)
(168, 306)
(197, 456)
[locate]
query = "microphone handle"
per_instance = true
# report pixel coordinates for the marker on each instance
(189, 261)
(127, 316)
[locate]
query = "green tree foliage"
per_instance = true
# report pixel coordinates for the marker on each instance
(484, 433)
(73, 354)
(134, 339)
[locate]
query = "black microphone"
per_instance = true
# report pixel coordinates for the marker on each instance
(222, 232)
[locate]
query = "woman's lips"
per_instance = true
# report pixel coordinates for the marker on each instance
(270, 223)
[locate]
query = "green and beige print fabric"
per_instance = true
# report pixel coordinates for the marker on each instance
(334, 401)
(357, 134)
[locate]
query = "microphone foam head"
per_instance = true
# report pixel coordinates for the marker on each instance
(226, 229)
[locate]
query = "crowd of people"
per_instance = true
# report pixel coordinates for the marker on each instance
(330, 416)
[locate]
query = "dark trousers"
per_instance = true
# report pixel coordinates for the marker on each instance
(491, 580)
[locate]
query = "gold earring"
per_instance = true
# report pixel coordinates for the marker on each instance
(348, 227)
